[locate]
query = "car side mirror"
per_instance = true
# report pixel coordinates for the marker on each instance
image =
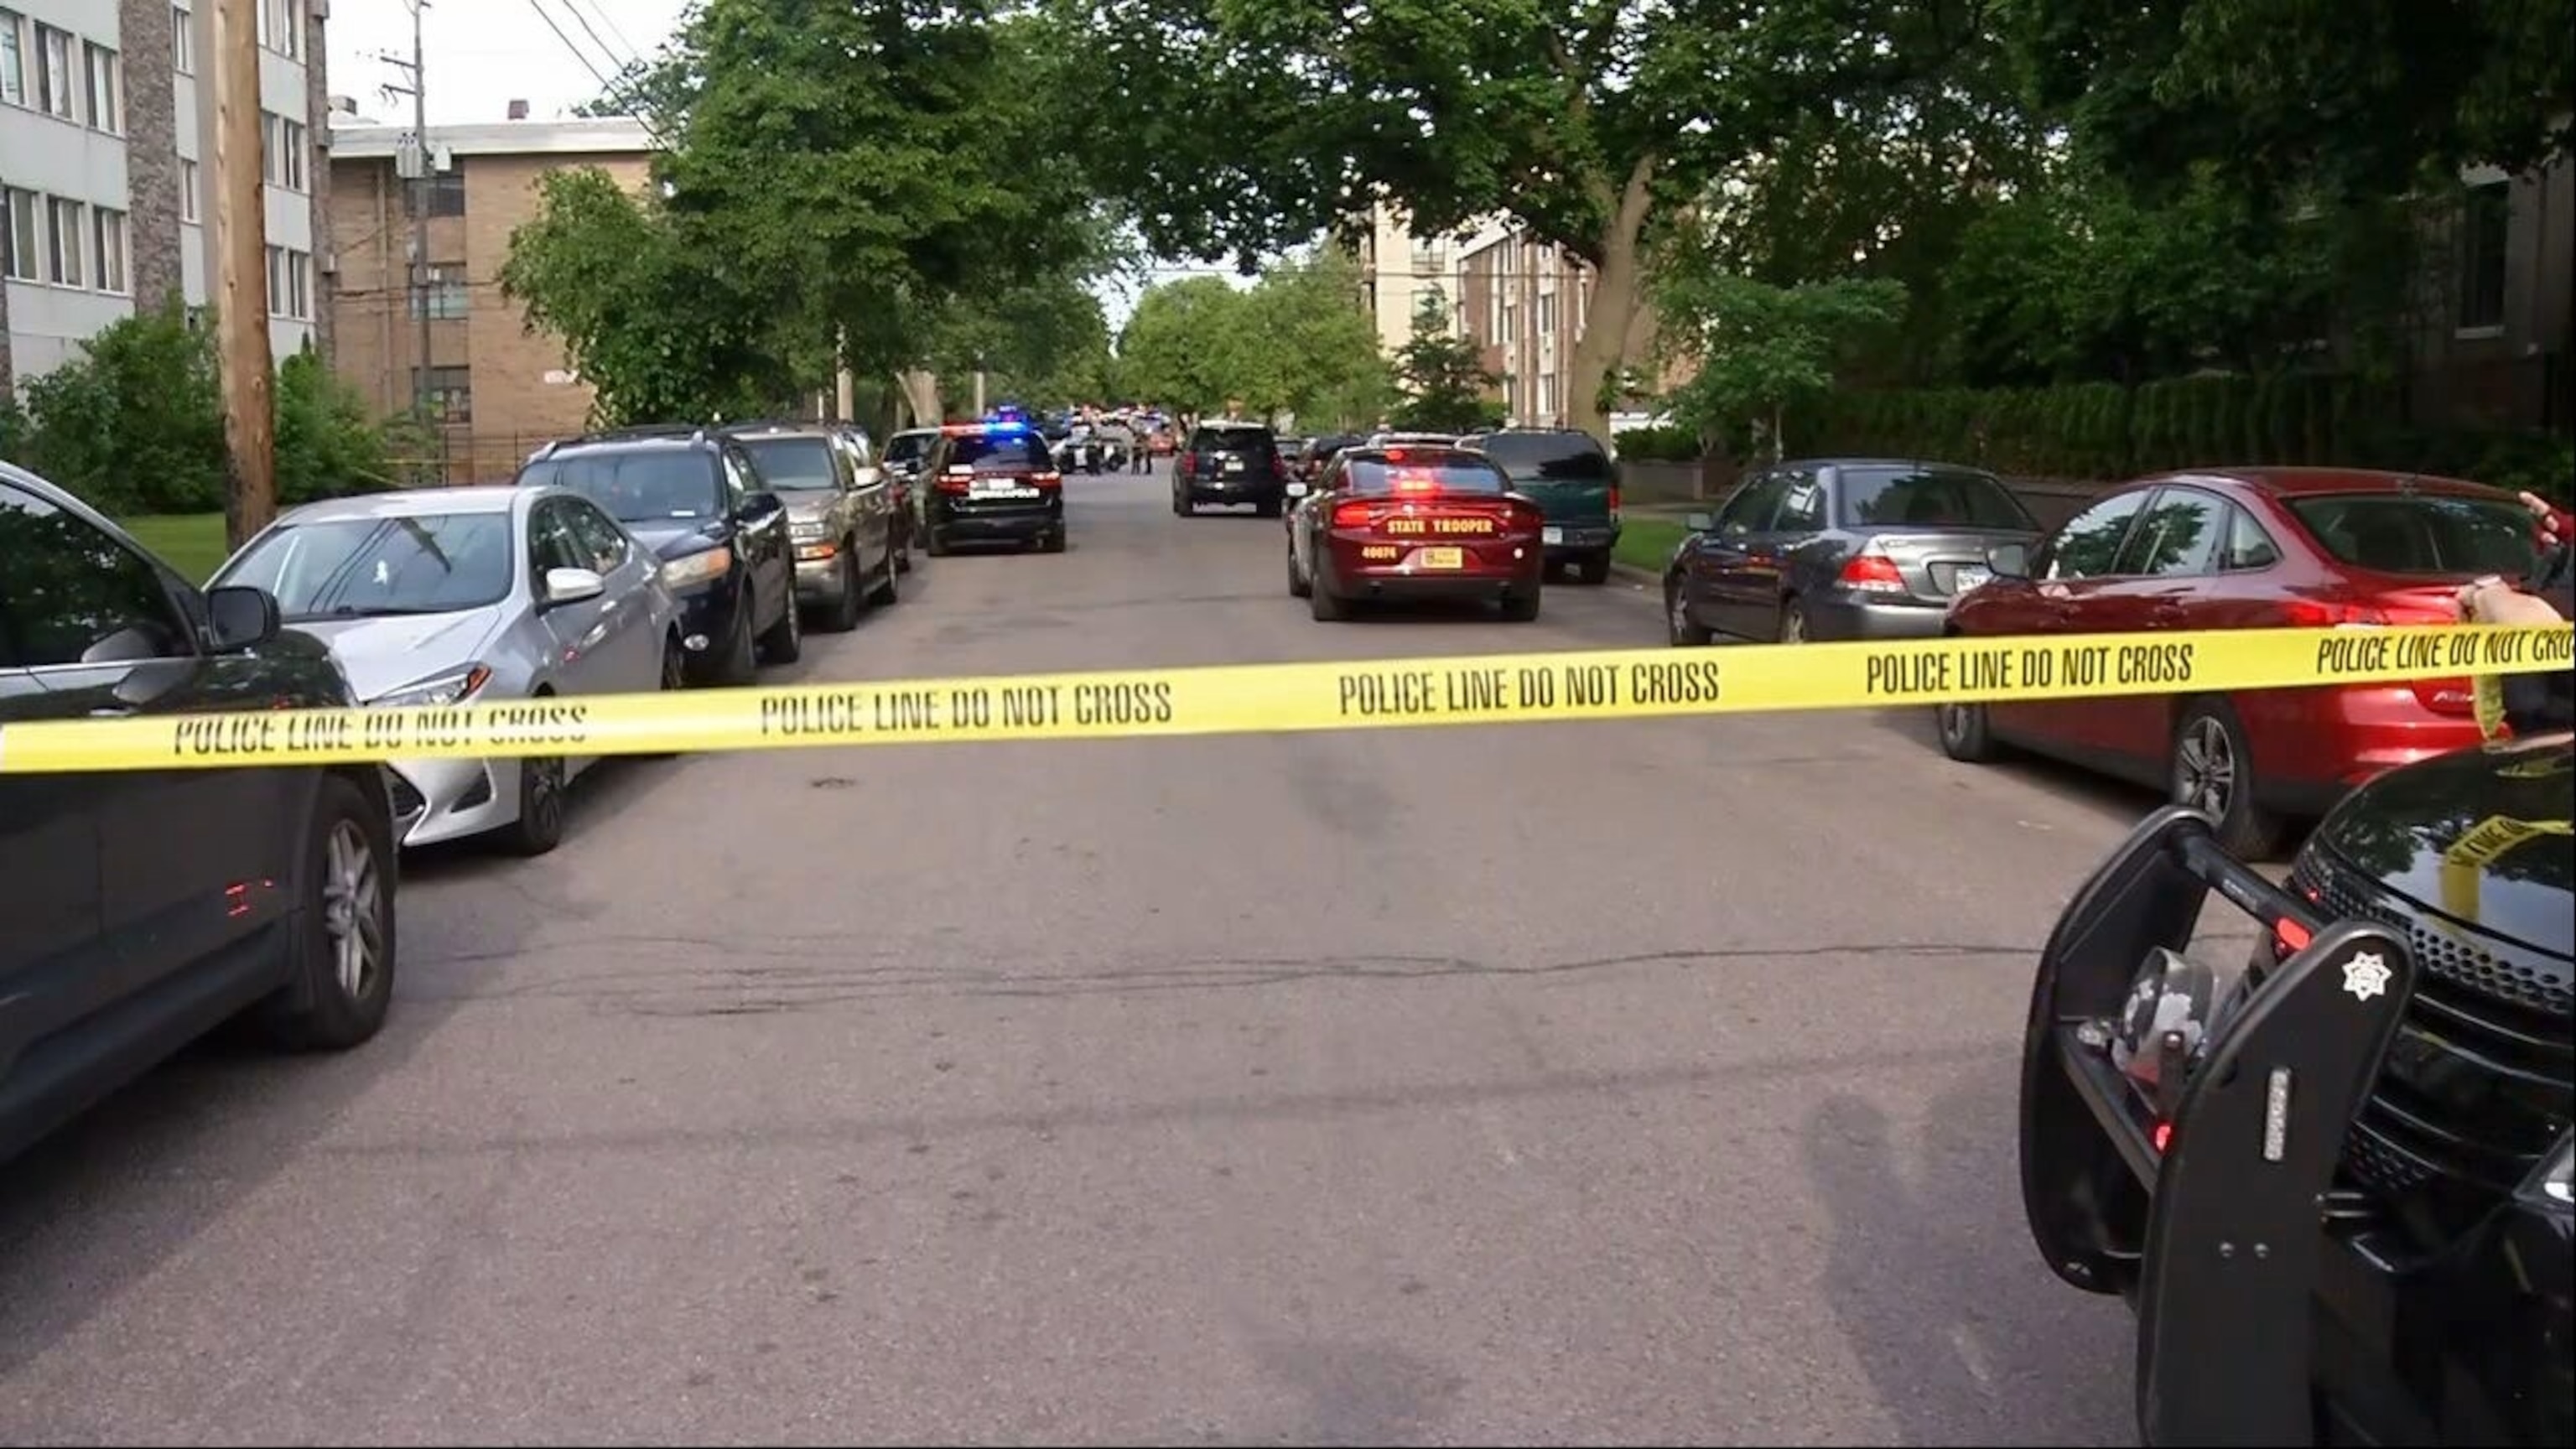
(571, 586)
(757, 507)
(1297, 490)
(2008, 560)
(240, 617)
(1699, 522)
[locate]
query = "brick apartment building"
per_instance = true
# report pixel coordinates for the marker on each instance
(497, 389)
(1525, 302)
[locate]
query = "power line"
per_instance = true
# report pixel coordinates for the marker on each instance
(632, 49)
(606, 86)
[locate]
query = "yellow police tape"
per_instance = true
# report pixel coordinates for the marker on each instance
(1266, 698)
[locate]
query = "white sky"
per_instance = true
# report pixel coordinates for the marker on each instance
(484, 54)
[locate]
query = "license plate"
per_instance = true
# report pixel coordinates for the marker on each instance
(1962, 580)
(1551, 536)
(1234, 465)
(1004, 490)
(1442, 558)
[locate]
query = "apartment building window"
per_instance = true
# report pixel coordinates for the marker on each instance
(183, 41)
(451, 392)
(188, 184)
(63, 243)
(447, 193)
(109, 233)
(1547, 316)
(445, 296)
(2486, 224)
(54, 73)
(281, 27)
(1547, 397)
(284, 160)
(290, 284)
(13, 57)
(26, 248)
(105, 71)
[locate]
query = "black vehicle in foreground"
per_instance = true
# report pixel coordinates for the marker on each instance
(1227, 461)
(994, 482)
(140, 909)
(696, 498)
(2336, 1187)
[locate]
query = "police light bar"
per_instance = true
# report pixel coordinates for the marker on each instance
(983, 430)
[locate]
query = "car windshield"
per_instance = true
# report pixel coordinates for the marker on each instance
(640, 486)
(2421, 533)
(1548, 457)
(1002, 453)
(432, 563)
(799, 465)
(1929, 498)
(1377, 477)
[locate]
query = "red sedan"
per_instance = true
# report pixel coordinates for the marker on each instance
(2246, 548)
(1414, 523)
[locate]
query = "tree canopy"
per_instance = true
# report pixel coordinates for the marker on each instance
(1296, 341)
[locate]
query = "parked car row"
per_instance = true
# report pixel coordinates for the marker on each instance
(1860, 548)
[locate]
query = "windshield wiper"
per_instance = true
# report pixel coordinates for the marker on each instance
(369, 611)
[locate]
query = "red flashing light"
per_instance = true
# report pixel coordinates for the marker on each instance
(1396, 455)
(1352, 515)
(2291, 934)
(1873, 573)
(1049, 479)
(2162, 1137)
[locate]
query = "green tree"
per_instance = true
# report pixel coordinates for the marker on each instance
(658, 326)
(1177, 346)
(1446, 385)
(1583, 123)
(1759, 348)
(1308, 345)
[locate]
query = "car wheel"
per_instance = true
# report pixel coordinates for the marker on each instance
(542, 805)
(675, 664)
(741, 656)
(340, 956)
(1054, 542)
(1678, 626)
(1269, 509)
(1299, 586)
(903, 556)
(845, 604)
(1521, 608)
(1793, 622)
(1966, 733)
(1594, 569)
(785, 641)
(1325, 605)
(2212, 771)
(889, 589)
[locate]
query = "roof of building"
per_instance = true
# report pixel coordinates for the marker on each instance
(587, 136)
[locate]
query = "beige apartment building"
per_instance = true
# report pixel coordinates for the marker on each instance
(497, 389)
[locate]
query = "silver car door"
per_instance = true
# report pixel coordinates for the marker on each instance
(582, 663)
(632, 651)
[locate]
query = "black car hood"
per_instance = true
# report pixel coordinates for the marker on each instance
(2480, 835)
(672, 538)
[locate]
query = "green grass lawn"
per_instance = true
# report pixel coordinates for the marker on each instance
(192, 542)
(1647, 543)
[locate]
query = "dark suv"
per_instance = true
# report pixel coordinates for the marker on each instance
(141, 908)
(696, 498)
(1226, 461)
(1570, 477)
(992, 483)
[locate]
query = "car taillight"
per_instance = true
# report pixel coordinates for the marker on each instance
(1873, 573)
(1189, 462)
(1047, 480)
(1353, 515)
(955, 482)
(1614, 502)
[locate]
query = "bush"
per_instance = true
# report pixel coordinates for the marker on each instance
(135, 425)
(1657, 443)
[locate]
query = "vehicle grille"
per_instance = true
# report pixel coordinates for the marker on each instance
(2482, 1077)
(406, 801)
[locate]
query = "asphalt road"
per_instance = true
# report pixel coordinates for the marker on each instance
(1594, 1082)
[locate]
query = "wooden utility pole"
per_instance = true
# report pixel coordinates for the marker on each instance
(248, 367)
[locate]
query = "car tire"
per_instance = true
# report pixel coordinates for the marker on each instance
(845, 605)
(2210, 768)
(1593, 569)
(785, 641)
(543, 804)
(1183, 505)
(1679, 630)
(903, 554)
(1966, 732)
(934, 543)
(336, 997)
(889, 589)
(741, 658)
(1521, 608)
(1299, 586)
(1326, 606)
(675, 677)
(1052, 543)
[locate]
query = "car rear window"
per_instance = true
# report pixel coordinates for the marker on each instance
(1549, 457)
(644, 485)
(1455, 473)
(1929, 498)
(2420, 533)
(1007, 454)
(1251, 442)
(793, 464)
(907, 447)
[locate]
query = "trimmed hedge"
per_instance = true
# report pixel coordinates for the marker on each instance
(2104, 431)
(1659, 443)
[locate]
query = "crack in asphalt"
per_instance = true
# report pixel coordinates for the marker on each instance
(777, 988)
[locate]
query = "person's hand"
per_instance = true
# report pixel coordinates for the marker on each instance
(2553, 522)
(2490, 601)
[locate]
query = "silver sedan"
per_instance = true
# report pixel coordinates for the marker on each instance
(448, 595)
